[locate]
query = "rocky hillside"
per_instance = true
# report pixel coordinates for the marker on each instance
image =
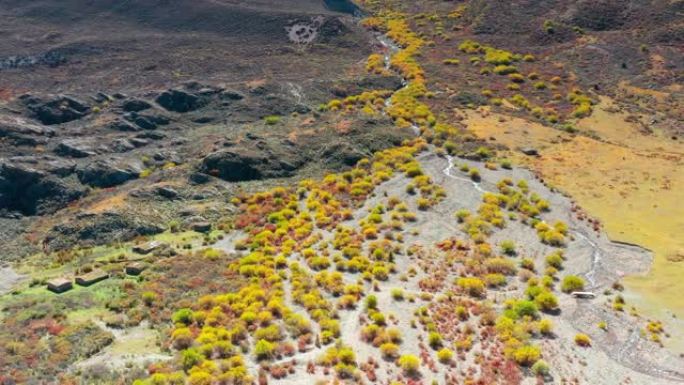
(319, 191)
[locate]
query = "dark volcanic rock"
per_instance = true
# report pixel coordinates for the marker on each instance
(241, 164)
(56, 109)
(21, 132)
(32, 191)
(123, 145)
(198, 178)
(120, 125)
(100, 229)
(148, 121)
(75, 148)
(166, 192)
(343, 153)
(232, 166)
(180, 101)
(231, 95)
(107, 173)
(135, 105)
(332, 28)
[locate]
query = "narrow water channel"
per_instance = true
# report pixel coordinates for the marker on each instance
(343, 6)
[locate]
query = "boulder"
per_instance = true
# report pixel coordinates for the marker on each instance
(201, 227)
(139, 142)
(180, 101)
(198, 178)
(123, 145)
(56, 109)
(147, 122)
(31, 191)
(530, 151)
(120, 125)
(107, 173)
(14, 128)
(166, 192)
(233, 166)
(102, 97)
(135, 105)
(231, 95)
(21, 133)
(244, 163)
(343, 153)
(75, 148)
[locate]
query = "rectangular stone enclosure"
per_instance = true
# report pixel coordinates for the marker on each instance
(92, 277)
(59, 285)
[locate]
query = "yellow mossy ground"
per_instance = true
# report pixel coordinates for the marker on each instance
(631, 181)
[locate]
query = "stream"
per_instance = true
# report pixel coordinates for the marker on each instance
(596, 250)
(447, 172)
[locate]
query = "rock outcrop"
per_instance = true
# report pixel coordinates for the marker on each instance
(247, 163)
(31, 191)
(108, 172)
(55, 109)
(99, 229)
(180, 101)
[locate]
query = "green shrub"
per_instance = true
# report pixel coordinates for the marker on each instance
(434, 340)
(182, 316)
(505, 69)
(263, 349)
(397, 294)
(546, 301)
(498, 56)
(371, 302)
(572, 283)
(389, 350)
(524, 308)
(516, 78)
(474, 174)
(190, 358)
(470, 47)
(540, 368)
(471, 285)
(549, 27)
(495, 280)
(409, 363)
(582, 340)
(272, 119)
(508, 247)
(545, 326)
(445, 355)
(527, 355)
(555, 260)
